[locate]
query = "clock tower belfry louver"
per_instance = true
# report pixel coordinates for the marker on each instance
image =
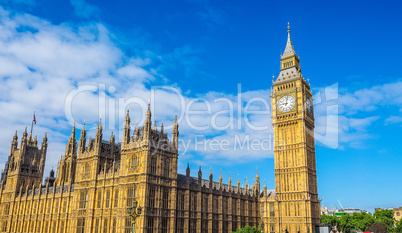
(297, 206)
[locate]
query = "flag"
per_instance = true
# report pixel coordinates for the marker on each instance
(34, 119)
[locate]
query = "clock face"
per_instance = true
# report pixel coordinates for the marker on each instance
(286, 103)
(308, 105)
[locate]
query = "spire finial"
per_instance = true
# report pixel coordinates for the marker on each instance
(288, 28)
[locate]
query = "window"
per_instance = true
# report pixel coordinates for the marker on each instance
(38, 226)
(65, 207)
(116, 198)
(107, 199)
(105, 226)
(128, 227)
(164, 225)
(234, 208)
(181, 201)
(166, 169)
(54, 226)
(153, 166)
(165, 198)
(56, 207)
(96, 227)
(83, 199)
(87, 169)
(5, 226)
(99, 203)
(152, 196)
(134, 162)
(150, 225)
(80, 225)
(46, 225)
(131, 193)
(271, 210)
(6, 209)
(61, 228)
(114, 225)
(262, 210)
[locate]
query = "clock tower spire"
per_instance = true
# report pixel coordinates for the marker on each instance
(297, 207)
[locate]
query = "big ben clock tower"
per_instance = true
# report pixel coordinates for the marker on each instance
(297, 208)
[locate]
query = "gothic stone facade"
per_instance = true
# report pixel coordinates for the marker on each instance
(97, 180)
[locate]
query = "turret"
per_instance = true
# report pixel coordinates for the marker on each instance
(24, 137)
(257, 183)
(210, 179)
(147, 124)
(50, 180)
(14, 142)
(83, 140)
(71, 148)
(238, 184)
(188, 170)
(230, 183)
(112, 143)
(35, 141)
(155, 127)
(220, 181)
(265, 189)
(126, 129)
(199, 177)
(136, 133)
(98, 137)
(175, 133)
(90, 144)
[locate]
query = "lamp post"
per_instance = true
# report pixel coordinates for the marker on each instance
(261, 226)
(134, 212)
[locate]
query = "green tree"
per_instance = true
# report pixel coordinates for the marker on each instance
(360, 221)
(327, 220)
(398, 227)
(248, 229)
(386, 217)
(346, 223)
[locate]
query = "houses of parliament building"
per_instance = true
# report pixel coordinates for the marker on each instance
(97, 179)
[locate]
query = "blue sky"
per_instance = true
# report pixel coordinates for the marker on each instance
(206, 49)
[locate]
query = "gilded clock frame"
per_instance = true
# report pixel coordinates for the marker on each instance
(291, 93)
